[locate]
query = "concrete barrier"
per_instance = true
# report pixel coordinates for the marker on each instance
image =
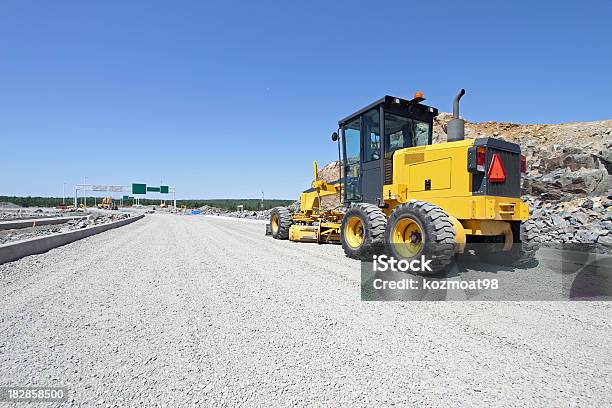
(17, 250)
(16, 224)
(30, 217)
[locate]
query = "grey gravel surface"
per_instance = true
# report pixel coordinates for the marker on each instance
(186, 310)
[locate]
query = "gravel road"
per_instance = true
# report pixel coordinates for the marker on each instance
(179, 310)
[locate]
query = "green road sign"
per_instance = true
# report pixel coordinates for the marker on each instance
(163, 189)
(153, 189)
(139, 188)
(126, 197)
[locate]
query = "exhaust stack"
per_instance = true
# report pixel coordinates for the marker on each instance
(456, 127)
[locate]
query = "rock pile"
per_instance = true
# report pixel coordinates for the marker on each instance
(4, 204)
(254, 215)
(250, 214)
(8, 212)
(94, 219)
(208, 210)
(561, 173)
(20, 234)
(579, 221)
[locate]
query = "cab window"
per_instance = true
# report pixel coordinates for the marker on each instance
(371, 123)
(402, 132)
(420, 133)
(352, 134)
(352, 160)
(397, 132)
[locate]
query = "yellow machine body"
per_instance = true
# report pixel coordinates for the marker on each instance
(445, 166)
(322, 232)
(107, 203)
(311, 224)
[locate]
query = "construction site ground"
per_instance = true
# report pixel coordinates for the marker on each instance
(183, 310)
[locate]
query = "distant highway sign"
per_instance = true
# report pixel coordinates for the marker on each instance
(139, 188)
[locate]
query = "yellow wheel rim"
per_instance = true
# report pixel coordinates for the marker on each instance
(274, 222)
(407, 237)
(353, 232)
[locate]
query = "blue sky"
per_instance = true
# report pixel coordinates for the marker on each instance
(226, 99)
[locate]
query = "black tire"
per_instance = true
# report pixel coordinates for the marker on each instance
(437, 237)
(524, 246)
(522, 253)
(373, 222)
(280, 227)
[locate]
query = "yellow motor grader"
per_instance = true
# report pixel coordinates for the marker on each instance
(107, 204)
(403, 195)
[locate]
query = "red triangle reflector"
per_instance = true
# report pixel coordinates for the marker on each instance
(497, 172)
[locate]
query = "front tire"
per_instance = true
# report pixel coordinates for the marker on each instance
(418, 229)
(280, 222)
(363, 231)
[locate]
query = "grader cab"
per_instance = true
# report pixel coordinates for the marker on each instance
(403, 195)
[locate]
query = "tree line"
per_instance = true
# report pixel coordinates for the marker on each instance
(250, 204)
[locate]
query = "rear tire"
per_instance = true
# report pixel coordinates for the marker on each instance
(363, 231)
(280, 222)
(419, 228)
(524, 246)
(522, 253)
